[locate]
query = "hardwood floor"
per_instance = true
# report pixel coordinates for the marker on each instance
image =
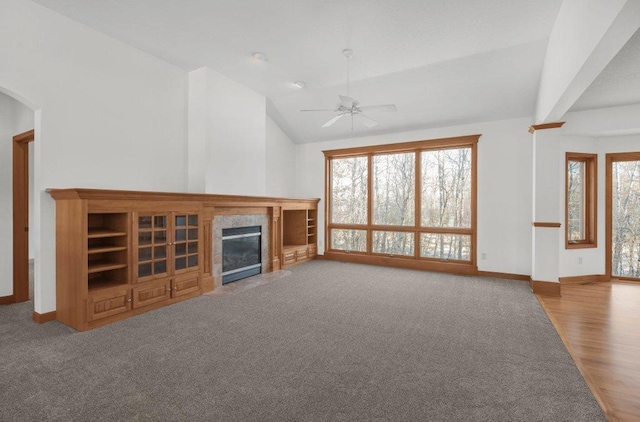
(600, 326)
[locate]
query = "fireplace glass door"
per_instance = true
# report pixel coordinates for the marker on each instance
(241, 253)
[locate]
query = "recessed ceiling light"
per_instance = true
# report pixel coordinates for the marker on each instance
(300, 84)
(259, 57)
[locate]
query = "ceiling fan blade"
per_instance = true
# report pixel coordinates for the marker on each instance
(384, 107)
(332, 120)
(347, 102)
(321, 109)
(367, 121)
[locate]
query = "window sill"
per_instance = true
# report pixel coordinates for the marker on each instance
(581, 245)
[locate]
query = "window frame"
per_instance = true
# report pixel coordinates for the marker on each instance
(590, 200)
(415, 261)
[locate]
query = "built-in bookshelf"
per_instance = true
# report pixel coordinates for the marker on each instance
(107, 250)
(299, 228)
(312, 223)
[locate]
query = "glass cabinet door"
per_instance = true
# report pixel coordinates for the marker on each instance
(185, 242)
(152, 246)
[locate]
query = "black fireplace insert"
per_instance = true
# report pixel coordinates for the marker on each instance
(241, 253)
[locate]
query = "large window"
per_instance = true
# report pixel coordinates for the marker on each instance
(413, 201)
(623, 215)
(580, 200)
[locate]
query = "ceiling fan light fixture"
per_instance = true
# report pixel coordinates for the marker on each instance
(300, 84)
(349, 106)
(259, 57)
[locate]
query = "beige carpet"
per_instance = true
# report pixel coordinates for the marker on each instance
(330, 341)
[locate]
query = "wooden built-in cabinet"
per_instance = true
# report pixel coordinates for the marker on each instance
(121, 253)
(299, 235)
(135, 259)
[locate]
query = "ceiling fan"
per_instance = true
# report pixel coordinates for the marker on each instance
(349, 106)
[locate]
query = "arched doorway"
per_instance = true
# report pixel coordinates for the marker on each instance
(17, 121)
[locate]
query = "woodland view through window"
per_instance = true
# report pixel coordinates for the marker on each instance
(414, 200)
(581, 200)
(623, 191)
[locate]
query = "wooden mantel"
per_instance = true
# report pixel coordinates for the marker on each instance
(208, 200)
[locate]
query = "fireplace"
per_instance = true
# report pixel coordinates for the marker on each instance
(241, 253)
(223, 222)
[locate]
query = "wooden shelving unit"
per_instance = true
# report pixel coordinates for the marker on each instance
(299, 234)
(107, 250)
(312, 222)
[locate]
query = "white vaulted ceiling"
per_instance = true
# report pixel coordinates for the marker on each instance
(619, 82)
(442, 62)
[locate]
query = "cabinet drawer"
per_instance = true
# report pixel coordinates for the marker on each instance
(313, 251)
(184, 285)
(107, 304)
(152, 292)
(289, 256)
(302, 253)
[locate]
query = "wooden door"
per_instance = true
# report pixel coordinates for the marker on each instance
(21, 216)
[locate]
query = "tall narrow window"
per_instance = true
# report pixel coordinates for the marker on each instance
(394, 188)
(349, 198)
(581, 200)
(349, 190)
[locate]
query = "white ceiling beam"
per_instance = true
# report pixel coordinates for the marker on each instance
(587, 35)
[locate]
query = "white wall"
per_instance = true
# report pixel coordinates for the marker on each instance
(109, 116)
(32, 233)
(233, 146)
(504, 186)
(6, 227)
(15, 118)
(281, 162)
(235, 137)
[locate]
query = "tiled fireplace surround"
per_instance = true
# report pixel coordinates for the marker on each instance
(232, 221)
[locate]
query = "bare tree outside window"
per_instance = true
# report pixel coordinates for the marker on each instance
(349, 196)
(349, 240)
(446, 202)
(349, 190)
(446, 188)
(393, 243)
(576, 200)
(394, 181)
(408, 201)
(581, 175)
(626, 219)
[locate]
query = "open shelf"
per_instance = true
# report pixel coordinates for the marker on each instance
(101, 233)
(293, 246)
(107, 246)
(103, 249)
(103, 283)
(101, 265)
